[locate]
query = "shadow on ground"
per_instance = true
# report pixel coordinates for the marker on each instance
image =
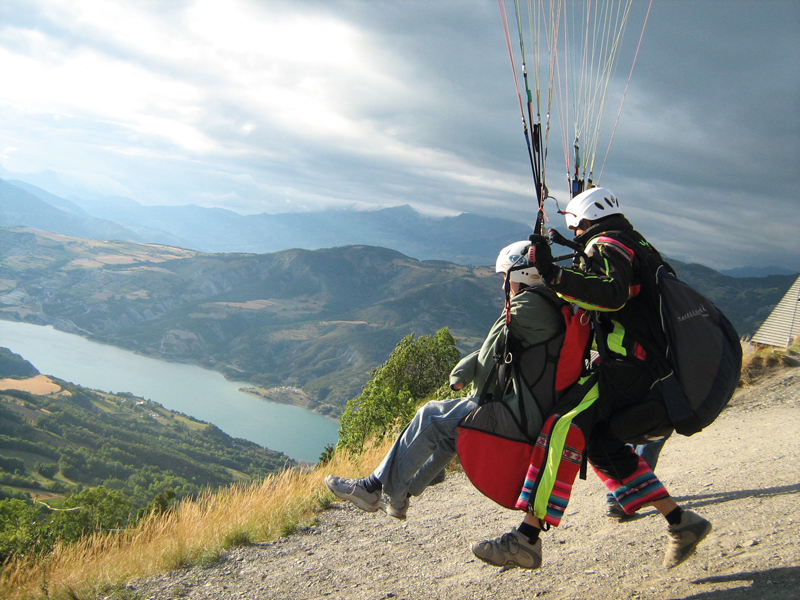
(715, 498)
(772, 584)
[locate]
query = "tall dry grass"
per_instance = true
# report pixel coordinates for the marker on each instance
(758, 361)
(195, 531)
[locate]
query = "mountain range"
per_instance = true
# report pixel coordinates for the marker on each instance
(466, 239)
(318, 319)
(463, 239)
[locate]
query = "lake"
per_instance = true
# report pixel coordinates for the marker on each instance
(200, 393)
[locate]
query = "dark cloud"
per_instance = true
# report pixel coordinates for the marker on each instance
(705, 154)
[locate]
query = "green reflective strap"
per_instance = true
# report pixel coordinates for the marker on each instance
(616, 338)
(558, 437)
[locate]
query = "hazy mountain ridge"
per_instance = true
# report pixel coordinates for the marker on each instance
(464, 239)
(19, 207)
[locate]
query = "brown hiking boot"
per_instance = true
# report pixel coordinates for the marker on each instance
(510, 550)
(685, 537)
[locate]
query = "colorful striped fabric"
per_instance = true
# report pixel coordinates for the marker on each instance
(557, 458)
(563, 461)
(643, 487)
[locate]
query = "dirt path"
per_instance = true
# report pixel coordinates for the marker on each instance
(743, 473)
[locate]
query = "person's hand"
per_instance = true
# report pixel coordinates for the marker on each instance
(540, 255)
(456, 386)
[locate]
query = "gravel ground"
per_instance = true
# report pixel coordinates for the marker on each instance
(742, 473)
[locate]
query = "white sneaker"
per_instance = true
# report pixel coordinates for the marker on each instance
(396, 509)
(354, 491)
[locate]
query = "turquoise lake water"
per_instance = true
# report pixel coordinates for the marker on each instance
(200, 393)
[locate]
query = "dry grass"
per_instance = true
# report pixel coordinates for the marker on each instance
(195, 532)
(41, 385)
(758, 361)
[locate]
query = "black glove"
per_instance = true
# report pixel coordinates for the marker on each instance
(540, 256)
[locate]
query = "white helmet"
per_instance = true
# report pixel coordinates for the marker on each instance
(514, 257)
(591, 205)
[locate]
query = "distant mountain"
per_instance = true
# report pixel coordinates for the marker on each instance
(758, 271)
(56, 201)
(20, 207)
(320, 320)
(464, 239)
(316, 319)
(112, 228)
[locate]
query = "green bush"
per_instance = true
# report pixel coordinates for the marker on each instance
(21, 530)
(416, 368)
(11, 464)
(46, 469)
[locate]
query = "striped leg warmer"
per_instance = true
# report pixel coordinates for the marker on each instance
(643, 487)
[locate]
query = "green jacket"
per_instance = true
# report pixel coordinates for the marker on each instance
(534, 319)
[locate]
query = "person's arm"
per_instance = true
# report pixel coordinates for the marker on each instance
(464, 371)
(475, 368)
(605, 285)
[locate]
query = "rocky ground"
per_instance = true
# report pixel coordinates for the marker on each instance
(742, 473)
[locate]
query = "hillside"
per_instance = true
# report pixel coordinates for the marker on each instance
(319, 320)
(316, 319)
(742, 473)
(56, 437)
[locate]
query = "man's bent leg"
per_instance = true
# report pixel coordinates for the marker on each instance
(423, 448)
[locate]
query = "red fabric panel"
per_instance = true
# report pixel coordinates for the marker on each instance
(570, 361)
(494, 465)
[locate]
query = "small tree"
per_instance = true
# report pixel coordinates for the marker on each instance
(94, 509)
(415, 369)
(161, 503)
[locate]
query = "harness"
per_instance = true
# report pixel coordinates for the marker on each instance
(546, 369)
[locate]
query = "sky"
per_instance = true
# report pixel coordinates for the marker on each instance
(300, 105)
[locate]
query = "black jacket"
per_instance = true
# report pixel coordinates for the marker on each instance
(611, 283)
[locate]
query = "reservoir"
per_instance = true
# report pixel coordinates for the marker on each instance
(200, 393)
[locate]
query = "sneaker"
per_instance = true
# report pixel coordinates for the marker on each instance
(396, 508)
(615, 511)
(510, 550)
(685, 537)
(354, 491)
(440, 476)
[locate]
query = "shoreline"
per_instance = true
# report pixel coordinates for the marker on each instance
(290, 399)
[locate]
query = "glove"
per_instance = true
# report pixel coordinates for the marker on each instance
(540, 256)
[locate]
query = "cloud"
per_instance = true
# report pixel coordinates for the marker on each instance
(301, 105)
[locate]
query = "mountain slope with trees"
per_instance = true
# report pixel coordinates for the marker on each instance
(67, 436)
(69, 446)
